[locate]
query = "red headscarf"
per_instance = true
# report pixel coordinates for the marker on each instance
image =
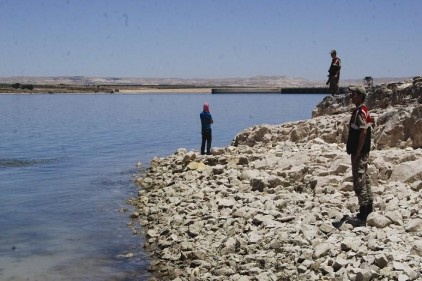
(206, 107)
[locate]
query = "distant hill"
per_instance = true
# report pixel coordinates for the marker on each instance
(257, 81)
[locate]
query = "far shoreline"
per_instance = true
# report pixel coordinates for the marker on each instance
(127, 85)
(10, 89)
(101, 85)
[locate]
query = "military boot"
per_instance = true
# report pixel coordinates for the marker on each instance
(338, 224)
(369, 208)
(355, 221)
(360, 219)
(362, 212)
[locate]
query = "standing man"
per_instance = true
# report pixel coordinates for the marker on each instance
(358, 146)
(206, 121)
(334, 73)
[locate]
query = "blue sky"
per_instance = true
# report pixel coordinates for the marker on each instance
(210, 38)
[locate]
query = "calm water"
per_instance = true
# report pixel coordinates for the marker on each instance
(67, 164)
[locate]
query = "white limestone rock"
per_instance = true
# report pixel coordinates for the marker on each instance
(407, 172)
(414, 225)
(377, 220)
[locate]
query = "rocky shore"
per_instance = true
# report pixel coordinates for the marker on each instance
(262, 208)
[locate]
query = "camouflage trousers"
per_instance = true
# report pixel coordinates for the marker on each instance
(361, 181)
(334, 89)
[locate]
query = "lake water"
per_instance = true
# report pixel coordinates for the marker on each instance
(67, 164)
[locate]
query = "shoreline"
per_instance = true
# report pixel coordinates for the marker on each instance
(102, 89)
(262, 208)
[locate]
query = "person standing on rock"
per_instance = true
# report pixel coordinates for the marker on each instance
(358, 146)
(334, 73)
(206, 121)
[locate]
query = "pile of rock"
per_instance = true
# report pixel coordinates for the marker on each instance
(262, 208)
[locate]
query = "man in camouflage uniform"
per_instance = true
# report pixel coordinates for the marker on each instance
(358, 146)
(334, 73)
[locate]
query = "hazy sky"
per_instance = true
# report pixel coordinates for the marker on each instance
(210, 38)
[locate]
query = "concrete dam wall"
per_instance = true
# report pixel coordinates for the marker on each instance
(292, 90)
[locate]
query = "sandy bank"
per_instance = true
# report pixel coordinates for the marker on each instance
(166, 91)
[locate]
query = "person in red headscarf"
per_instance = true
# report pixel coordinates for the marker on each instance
(206, 121)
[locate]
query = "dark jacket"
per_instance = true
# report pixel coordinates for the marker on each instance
(206, 121)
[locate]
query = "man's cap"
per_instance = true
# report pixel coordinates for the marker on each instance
(357, 89)
(333, 52)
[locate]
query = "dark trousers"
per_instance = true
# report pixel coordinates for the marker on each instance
(206, 138)
(334, 86)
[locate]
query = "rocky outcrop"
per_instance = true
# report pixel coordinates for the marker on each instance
(396, 108)
(262, 208)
